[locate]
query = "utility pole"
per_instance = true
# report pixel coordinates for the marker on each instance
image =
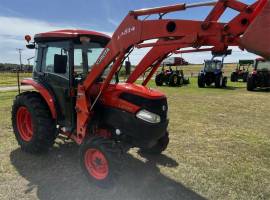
(28, 61)
(19, 69)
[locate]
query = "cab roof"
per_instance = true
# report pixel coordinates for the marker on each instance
(70, 34)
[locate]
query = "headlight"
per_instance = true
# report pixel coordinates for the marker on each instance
(148, 116)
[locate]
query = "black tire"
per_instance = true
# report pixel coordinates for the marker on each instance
(43, 126)
(234, 77)
(159, 80)
(250, 83)
(112, 154)
(173, 80)
(224, 82)
(218, 81)
(201, 81)
(161, 146)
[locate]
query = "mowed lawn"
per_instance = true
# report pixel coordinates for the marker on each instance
(10, 79)
(219, 149)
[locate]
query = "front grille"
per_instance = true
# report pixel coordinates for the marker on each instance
(157, 106)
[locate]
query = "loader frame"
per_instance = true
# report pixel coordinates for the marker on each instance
(171, 36)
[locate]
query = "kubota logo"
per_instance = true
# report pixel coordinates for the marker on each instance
(102, 56)
(126, 31)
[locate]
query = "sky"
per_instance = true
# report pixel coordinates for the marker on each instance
(21, 17)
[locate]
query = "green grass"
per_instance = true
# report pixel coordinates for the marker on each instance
(219, 149)
(10, 79)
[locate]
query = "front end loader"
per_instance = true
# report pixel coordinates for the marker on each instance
(75, 94)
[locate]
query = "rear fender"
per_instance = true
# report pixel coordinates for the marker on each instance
(44, 93)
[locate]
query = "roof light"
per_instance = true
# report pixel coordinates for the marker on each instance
(27, 38)
(84, 39)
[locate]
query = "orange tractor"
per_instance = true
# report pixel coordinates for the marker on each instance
(75, 94)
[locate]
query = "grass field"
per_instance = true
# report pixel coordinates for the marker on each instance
(219, 149)
(10, 79)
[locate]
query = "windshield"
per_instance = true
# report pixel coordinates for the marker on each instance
(211, 66)
(88, 53)
(263, 65)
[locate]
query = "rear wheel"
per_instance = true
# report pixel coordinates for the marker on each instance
(100, 161)
(201, 81)
(33, 126)
(218, 81)
(159, 79)
(159, 147)
(251, 83)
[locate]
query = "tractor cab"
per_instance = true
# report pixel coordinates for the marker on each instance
(260, 77)
(262, 65)
(63, 59)
(214, 66)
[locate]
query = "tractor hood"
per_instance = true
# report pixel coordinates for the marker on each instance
(128, 96)
(135, 89)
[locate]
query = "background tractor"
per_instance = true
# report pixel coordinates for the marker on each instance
(171, 77)
(212, 72)
(260, 77)
(241, 71)
(75, 94)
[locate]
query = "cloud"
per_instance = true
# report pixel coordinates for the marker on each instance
(13, 30)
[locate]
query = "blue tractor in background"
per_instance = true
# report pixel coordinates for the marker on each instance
(212, 72)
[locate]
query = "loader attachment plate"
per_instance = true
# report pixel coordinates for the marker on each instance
(256, 39)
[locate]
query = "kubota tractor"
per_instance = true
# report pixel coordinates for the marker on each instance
(260, 76)
(241, 71)
(75, 94)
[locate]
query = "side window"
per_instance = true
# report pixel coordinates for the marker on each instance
(55, 61)
(35, 64)
(78, 61)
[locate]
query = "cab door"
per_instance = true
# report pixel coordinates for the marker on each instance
(56, 67)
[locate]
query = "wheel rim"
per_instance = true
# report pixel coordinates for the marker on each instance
(24, 124)
(96, 164)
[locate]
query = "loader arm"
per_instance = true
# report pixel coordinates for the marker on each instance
(172, 34)
(230, 35)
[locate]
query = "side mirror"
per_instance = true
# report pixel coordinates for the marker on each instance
(60, 64)
(31, 46)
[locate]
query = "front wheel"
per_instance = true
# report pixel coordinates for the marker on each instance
(201, 81)
(100, 161)
(174, 80)
(218, 81)
(159, 80)
(180, 81)
(250, 83)
(224, 82)
(159, 147)
(234, 77)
